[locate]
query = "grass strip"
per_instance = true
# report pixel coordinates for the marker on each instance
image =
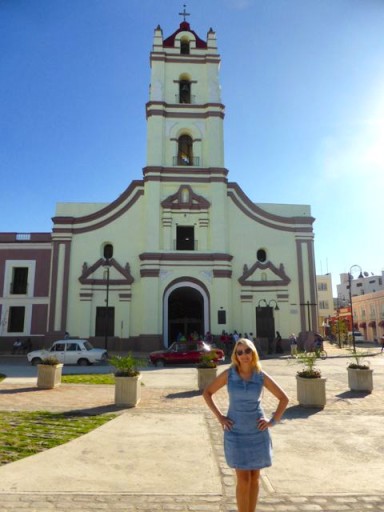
(92, 378)
(26, 433)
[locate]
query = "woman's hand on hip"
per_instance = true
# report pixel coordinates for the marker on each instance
(263, 424)
(226, 422)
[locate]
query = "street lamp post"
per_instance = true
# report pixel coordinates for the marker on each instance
(350, 300)
(106, 317)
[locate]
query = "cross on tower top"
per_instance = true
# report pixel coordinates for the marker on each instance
(184, 13)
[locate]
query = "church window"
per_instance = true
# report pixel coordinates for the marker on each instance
(261, 255)
(184, 153)
(184, 47)
(108, 251)
(184, 91)
(185, 238)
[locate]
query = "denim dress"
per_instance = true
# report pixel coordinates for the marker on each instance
(245, 446)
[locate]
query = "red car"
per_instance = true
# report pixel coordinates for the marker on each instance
(179, 353)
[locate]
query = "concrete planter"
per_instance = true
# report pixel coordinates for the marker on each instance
(128, 390)
(360, 380)
(311, 392)
(205, 376)
(49, 376)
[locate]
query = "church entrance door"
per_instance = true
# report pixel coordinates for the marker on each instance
(265, 323)
(185, 313)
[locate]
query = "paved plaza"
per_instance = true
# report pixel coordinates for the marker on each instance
(167, 454)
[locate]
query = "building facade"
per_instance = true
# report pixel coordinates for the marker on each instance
(182, 249)
(25, 266)
(368, 315)
(365, 283)
(324, 302)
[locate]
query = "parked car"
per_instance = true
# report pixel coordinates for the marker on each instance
(70, 352)
(184, 353)
(359, 338)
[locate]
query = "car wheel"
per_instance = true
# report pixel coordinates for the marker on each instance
(160, 363)
(83, 362)
(35, 361)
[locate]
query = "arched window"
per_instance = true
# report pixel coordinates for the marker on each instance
(184, 91)
(108, 251)
(184, 47)
(185, 153)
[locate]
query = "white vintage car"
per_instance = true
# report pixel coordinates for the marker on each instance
(71, 351)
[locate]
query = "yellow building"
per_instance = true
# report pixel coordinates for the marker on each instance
(182, 249)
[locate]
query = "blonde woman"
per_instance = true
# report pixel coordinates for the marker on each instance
(247, 443)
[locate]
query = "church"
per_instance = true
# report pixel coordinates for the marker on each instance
(183, 249)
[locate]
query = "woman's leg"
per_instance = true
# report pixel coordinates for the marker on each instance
(254, 489)
(247, 489)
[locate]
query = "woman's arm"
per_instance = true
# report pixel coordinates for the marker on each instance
(220, 381)
(281, 396)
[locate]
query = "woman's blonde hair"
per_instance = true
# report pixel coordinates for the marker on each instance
(255, 356)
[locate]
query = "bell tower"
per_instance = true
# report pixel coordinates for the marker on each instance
(184, 112)
(185, 177)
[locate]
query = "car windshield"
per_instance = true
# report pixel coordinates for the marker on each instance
(88, 345)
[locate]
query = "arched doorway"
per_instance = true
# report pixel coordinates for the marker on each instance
(185, 310)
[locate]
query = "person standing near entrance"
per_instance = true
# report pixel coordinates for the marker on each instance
(247, 443)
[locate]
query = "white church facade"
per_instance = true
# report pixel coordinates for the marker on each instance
(182, 249)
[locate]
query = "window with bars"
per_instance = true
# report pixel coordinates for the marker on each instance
(19, 285)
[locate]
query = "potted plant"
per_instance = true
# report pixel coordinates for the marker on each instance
(127, 379)
(360, 375)
(206, 370)
(310, 383)
(49, 373)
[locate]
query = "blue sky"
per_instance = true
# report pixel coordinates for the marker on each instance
(302, 81)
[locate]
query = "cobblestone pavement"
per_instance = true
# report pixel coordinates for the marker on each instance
(100, 399)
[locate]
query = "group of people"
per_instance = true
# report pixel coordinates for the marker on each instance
(247, 441)
(21, 347)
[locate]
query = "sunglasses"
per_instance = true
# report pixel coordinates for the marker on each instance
(241, 352)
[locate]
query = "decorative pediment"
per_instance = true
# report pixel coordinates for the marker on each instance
(264, 274)
(88, 276)
(185, 199)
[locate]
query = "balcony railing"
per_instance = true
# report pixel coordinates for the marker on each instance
(186, 246)
(194, 161)
(181, 101)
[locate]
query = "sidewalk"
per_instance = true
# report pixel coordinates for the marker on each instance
(166, 454)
